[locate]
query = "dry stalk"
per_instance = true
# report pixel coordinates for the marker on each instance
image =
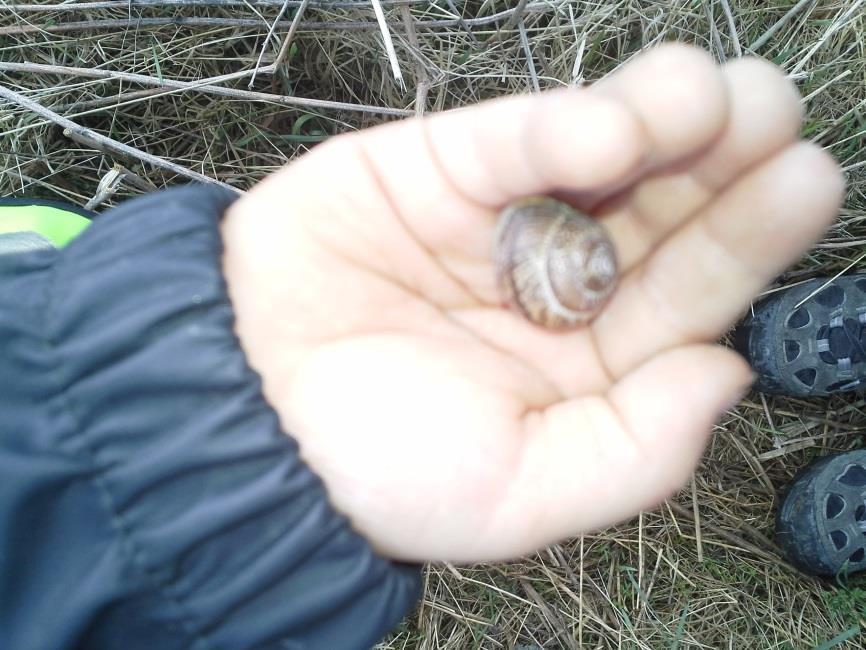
(106, 144)
(305, 26)
(127, 4)
(204, 86)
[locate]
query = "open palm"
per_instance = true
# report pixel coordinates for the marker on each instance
(445, 426)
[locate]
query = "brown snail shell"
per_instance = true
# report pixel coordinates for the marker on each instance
(555, 265)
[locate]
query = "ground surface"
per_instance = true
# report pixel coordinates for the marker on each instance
(668, 579)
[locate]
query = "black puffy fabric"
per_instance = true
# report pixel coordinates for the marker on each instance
(148, 497)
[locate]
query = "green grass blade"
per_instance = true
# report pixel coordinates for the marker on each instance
(839, 639)
(681, 628)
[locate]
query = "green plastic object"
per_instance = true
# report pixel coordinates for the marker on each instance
(56, 223)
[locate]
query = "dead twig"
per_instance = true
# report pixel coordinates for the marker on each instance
(554, 622)
(714, 31)
(127, 4)
(389, 44)
(105, 143)
(732, 28)
(270, 35)
(422, 80)
(287, 41)
(524, 40)
(516, 15)
(779, 24)
(204, 86)
(112, 181)
(696, 518)
(87, 106)
(307, 26)
(463, 24)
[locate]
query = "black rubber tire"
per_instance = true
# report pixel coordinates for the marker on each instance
(813, 540)
(808, 340)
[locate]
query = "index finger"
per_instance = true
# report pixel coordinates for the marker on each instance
(449, 172)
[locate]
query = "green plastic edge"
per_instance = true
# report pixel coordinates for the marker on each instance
(55, 224)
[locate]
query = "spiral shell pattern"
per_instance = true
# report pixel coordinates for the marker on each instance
(554, 264)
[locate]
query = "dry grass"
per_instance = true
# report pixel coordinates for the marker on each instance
(664, 580)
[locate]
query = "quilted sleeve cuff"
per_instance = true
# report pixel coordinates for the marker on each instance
(221, 529)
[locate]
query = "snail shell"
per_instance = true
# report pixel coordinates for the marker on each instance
(553, 264)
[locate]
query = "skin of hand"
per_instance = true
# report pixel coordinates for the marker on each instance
(444, 426)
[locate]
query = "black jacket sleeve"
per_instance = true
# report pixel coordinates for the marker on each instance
(148, 497)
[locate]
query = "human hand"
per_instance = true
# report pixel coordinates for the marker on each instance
(447, 427)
